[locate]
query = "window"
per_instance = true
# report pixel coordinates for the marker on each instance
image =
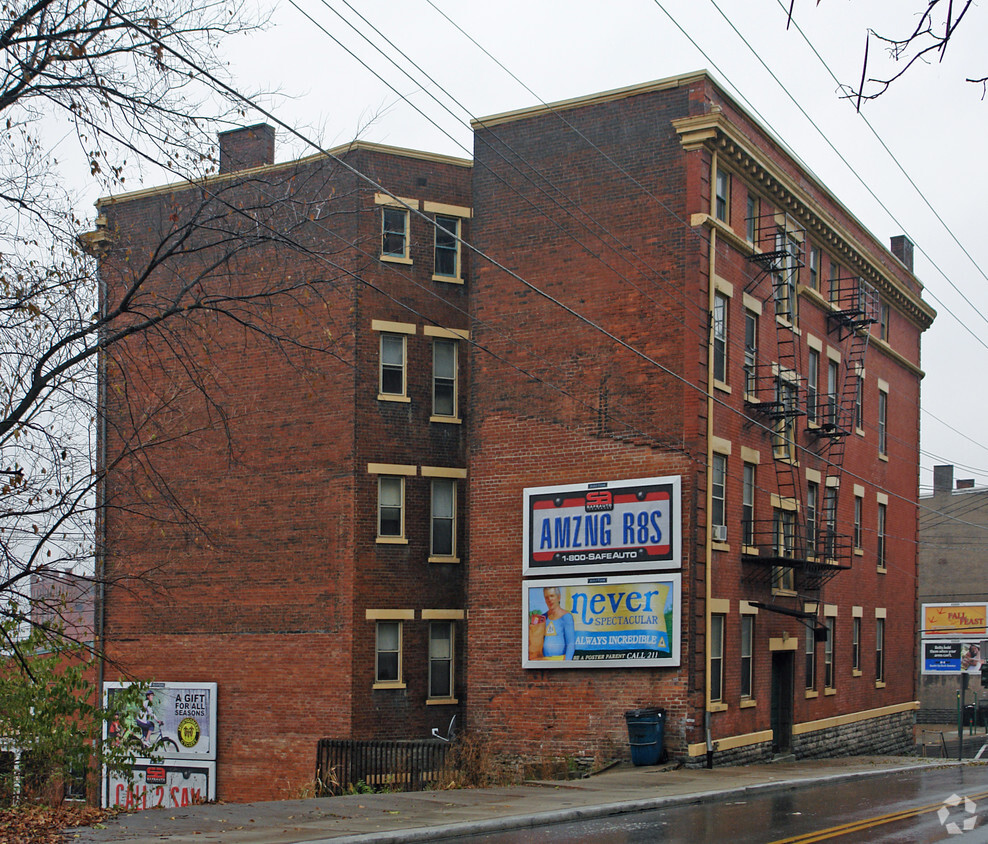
(859, 403)
(834, 293)
(784, 427)
(812, 516)
(441, 659)
(393, 364)
(751, 220)
(880, 650)
(883, 403)
(390, 506)
(747, 655)
(830, 516)
(722, 201)
(812, 379)
(720, 337)
(783, 546)
(815, 267)
(833, 396)
(443, 518)
(784, 283)
(883, 321)
(750, 352)
(810, 657)
(748, 504)
(447, 246)
(444, 371)
(394, 232)
(388, 652)
(856, 645)
(717, 657)
(881, 535)
(857, 522)
(828, 654)
(718, 480)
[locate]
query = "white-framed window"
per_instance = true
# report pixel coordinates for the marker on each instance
(751, 220)
(883, 321)
(394, 232)
(748, 504)
(814, 268)
(812, 382)
(835, 273)
(720, 337)
(718, 490)
(881, 537)
(830, 518)
(717, 623)
(722, 199)
(750, 352)
(784, 427)
(443, 533)
(812, 517)
(447, 247)
(445, 355)
(833, 392)
(747, 655)
(883, 408)
(858, 506)
(829, 675)
(441, 642)
(856, 644)
(391, 506)
(785, 281)
(859, 403)
(392, 373)
(810, 670)
(880, 650)
(784, 541)
(388, 653)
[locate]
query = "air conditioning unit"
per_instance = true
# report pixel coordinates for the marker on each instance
(720, 533)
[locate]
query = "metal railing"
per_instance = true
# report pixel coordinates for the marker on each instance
(345, 765)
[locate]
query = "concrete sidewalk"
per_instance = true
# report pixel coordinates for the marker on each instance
(434, 815)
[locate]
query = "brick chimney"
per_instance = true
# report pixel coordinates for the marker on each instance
(252, 146)
(943, 479)
(902, 248)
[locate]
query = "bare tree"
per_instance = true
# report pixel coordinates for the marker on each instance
(112, 77)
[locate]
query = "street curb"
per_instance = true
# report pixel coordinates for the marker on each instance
(504, 824)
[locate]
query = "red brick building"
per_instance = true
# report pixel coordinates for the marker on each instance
(333, 512)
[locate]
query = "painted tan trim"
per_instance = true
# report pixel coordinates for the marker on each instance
(721, 606)
(882, 498)
(442, 615)
(859, 491)
(391, 540)
(721, 446)
(717, 706)
(833, 482)
(814, 342)
(783, 644)
(751, 303)
(451, 420)
(391, 684)
(883, 385)
(392, 397)
(398, 201)
(730, 742)
(857, 612)
(813, 475)
(450, 210)
(853, 717)
(833, 354)
(393, 327)
(391, 469)
(389, 615)
(780, 503)
(443, 560)
(750, 455)
(723, 286)
(746, 608)
(812, 694)
(881, 612)
(747, 703)
(441, 701)
(830, 610)
(448, 333)
(709, 221)
(443, 472)
(809, 606)
(396, 259)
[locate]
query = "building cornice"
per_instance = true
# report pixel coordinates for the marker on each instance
(336, 152)
(715, 132)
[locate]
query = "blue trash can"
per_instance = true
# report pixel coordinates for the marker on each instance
(646, 729)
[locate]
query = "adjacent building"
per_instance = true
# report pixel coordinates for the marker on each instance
(632, 382)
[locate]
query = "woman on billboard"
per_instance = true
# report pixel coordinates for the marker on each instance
(552, 635)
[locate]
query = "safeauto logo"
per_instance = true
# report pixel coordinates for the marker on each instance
(598, 500)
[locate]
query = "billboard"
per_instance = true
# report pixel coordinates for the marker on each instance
(620, 526)
(602, 622)
(954, 637)
(171, 721)
(955, 620)
(160, 786)
(949, 657)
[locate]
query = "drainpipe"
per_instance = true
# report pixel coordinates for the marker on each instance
(100, 549)
(708, 497)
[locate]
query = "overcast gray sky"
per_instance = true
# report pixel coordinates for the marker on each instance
(932, 121)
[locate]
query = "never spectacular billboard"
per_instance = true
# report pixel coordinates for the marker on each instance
(628, 525)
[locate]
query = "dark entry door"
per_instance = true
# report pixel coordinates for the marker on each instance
(782, 701)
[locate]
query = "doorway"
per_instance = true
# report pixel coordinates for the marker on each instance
(782, 701)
